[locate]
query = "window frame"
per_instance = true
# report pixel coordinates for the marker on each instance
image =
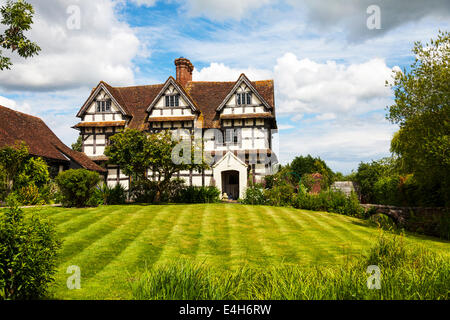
(172, 100)
(103, 106)
(244, 98)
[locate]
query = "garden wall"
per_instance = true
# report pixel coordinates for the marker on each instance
(429, 221)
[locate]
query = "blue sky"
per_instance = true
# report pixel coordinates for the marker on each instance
(329, 68)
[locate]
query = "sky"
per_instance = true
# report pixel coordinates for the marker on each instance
(329, 59)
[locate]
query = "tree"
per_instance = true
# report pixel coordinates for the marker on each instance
(422, 110)
(307, 164)
(17, 16)
(12, 161)
(19, 171)
(368, 175)
(78, 145)
(136, 152)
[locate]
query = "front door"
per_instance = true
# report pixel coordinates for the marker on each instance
(230, 184)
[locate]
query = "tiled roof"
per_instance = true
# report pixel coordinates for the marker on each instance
(41, 141)
(206, 95)
(135, 101)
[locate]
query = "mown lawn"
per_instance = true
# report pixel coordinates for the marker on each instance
(111, 243)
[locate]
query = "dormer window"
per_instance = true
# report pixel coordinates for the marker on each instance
(244, 98)
(103, 106)
(173, 100)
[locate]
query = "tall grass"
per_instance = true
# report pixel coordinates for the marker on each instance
(406, 273)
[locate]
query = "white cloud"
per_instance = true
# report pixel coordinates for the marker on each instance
(305, 86)
(221, 72)
(222, 10)
(12, 104)
(145, 3)
(350, 16)
(285, 127)
(342, 145)
(102, 49)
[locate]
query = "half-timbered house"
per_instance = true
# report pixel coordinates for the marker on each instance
(236, 121)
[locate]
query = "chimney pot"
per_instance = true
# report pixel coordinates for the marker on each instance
(184, 70)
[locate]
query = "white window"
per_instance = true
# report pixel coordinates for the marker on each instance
(103, 106)
(244, 98)
(232, 136)
(173, 100)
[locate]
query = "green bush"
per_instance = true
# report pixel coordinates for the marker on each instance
(281, 194)
(387, 191)
(113, 195)
(330, 201)
(77, 186)
(34, 171)
(28, 248)
(3, 184)
(254, 195)
(145, 191)
(194, 194)
(29, 195)
(383, 221)
(49, 193)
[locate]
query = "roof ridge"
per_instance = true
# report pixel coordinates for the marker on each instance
(22, 113)
(141, 85)
(266, 80)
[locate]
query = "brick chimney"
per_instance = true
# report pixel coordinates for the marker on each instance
(184, 70)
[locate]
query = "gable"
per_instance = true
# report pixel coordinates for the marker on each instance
(101, 92)
(102, 96)
(172, 88)
(170, 91)
(243, 85)
(236, 104)
(230, 160)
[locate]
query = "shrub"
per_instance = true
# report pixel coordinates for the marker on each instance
(383, 221)
(145, 191)
(386, 190)
(254, 195)
(49, 193)
(34, 171)
(29, 195)
(330, 201)
(77, 186)
(113, 195)
(280, 195)
(194, 194)
(28, 248)
(3, 184)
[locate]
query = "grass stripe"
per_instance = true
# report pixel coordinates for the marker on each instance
(356, 241)
(311, 249)
(275, 241)
(334, 242)
(82, 222)
(214, 246)
(83, 238)
(246, 247)
(184, 238)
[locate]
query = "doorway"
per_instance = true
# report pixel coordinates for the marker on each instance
(230, 184)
